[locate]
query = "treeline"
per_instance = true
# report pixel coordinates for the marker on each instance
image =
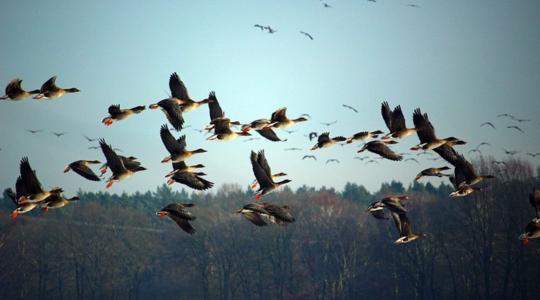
(115, 247)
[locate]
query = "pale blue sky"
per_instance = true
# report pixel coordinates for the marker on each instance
(463, 62)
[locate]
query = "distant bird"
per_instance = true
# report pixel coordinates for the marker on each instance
(516, 128)
(198, 130)
(94, 147)
(312, 135)
(332, 160)
(117, 114)
(33, 131)
(483, 144)
(81, 167)
(510, 152)
(191, 179)
(381, 148)
(361, 158)
(424, 153)
(178, 213)
(532, 230)
(251, 139)
(488, 124)
(434, 158)
(261, 27)
(520, 120)
(432, 172)
(350, 107)
(364, 135)
(279, 119)
(176, 148)
(307, 34)
(35, 192)
(270, 29)
(326, 5)
(426, 133)
(15, 92)
(292, 149)
(58, 134)
(290, 131)
(263, 174)
(533, 154)
(506, 115)
(90, 139)
(371, 161)
(49, 90)
(412, 159)
(329, 123)
(325, 141)
(119, 170)
(374, 1)
(475, 150)
(403, 226)
(309, 156)
(413, 5)
(395, 121)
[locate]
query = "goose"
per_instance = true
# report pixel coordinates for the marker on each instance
(178, 213)
(255, 184)
(81, 167)
(364, 135)
(20, 191)
(15, 92)
(263, 174)
(253, 212)
(426, 133)
(117, 114)
(403, 226)
(182, 167)
(395, 121)
(223, 132)
(191, 179)
(432, 172)
(380, 147)
(172, 111)
(117, 166)
(325, 141)
(176, 148)
(32, 185)
(279, 119)
(57, 201)
(49, 90)
(532, 230)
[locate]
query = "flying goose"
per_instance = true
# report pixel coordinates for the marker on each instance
(395, 121)
(381, 148)
(49, 90)
(178, 213)
(119, 170)
(81, 167)
(15, 92)
(176, 148)
(263, 174)
(117, 114)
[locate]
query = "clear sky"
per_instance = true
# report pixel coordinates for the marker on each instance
(461, 61)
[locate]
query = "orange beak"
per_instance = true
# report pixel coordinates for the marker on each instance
(109, 184)
(258, 197)
(45, 209)
(525, 242)
(162, 214)
(103, 170)
(14, 215)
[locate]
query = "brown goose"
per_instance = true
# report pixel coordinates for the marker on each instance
(118, 169)
(20, 191)
(263, 174)
(325, 141)
(532, 230)
(364, 135)
(129, 162)
(117, 114)
(182, 167)
(381, 148)
(176, 148)
(426, 134)
(57, 201)
(223, 132)
(404, 228)
(172, 111)
(254, 212)
(32, 185)
(255, 184)
(15, 92)
(180, 94)
(191, 179)
(395, 121)
(49, 90)
(81, 167)
(279, 119)
(432, 172)
(178, 213)
(216, 113)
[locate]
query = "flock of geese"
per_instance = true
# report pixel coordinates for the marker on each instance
(29, 193)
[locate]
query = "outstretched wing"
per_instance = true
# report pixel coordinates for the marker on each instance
(178, 89)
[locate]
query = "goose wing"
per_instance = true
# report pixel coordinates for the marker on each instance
(49, 85)
(214, 107)
(425, 130)
(192, 180)
(29, 177)
(84, 171)
(113, 161)
(260, 174)
(384, 151)
(269, 134)
(173, 146)
(178, 89)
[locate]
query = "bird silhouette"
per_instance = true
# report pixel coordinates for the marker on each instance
(59, 134)
(307, 34)
(516, 128)
(332, 160)
(350, 107)
(309, 156)
(488, 124)
(330, 123)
